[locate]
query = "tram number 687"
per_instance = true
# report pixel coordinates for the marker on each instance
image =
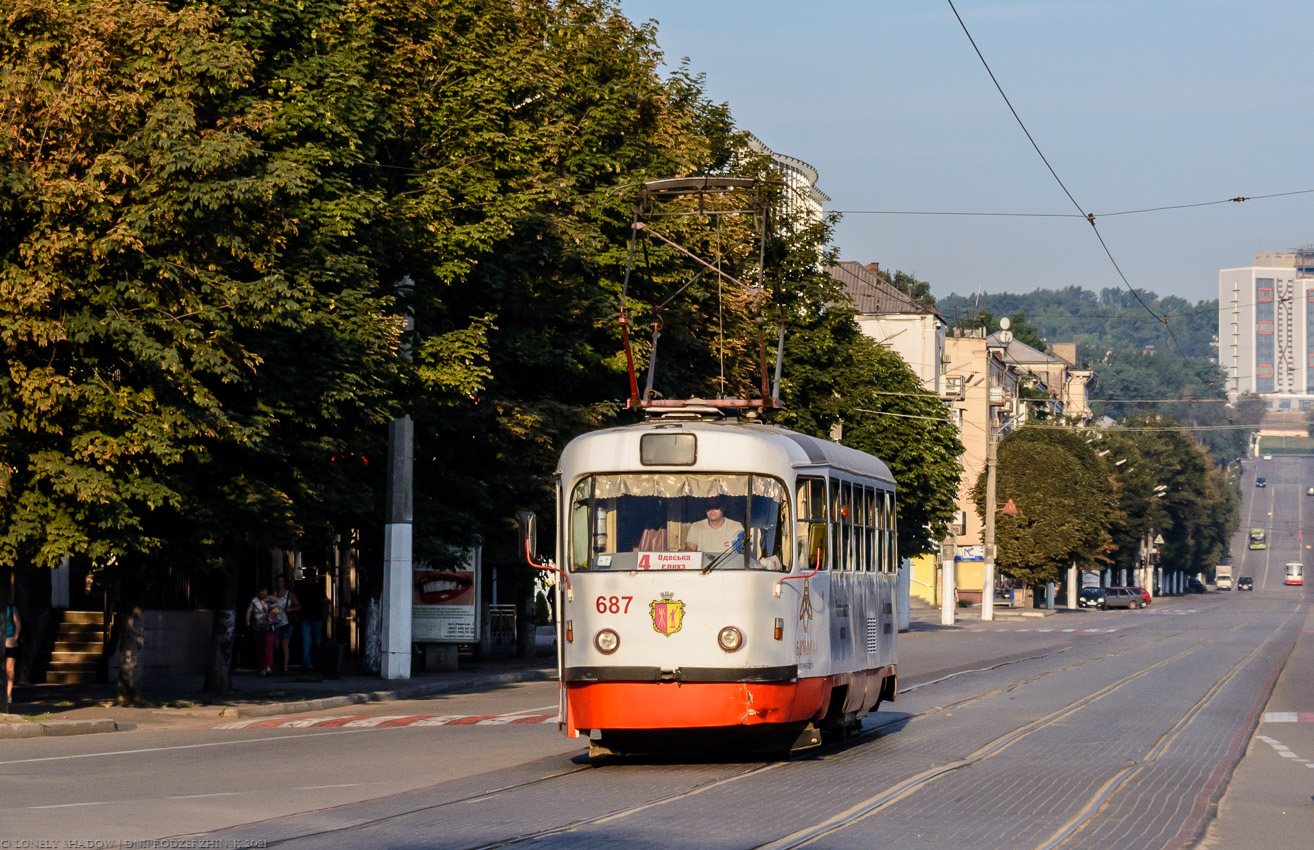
(613, 604)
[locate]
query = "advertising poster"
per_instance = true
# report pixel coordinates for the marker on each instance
(445, 603)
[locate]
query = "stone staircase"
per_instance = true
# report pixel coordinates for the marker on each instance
(76, 643)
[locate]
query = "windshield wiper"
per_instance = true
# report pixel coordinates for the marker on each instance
(737, 546)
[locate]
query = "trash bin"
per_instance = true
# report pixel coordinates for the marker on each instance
(331, 656)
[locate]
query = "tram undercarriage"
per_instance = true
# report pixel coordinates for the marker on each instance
(669, 718)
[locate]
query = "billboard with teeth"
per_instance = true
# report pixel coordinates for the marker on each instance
(445, 602)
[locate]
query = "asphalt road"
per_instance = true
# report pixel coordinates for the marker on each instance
(1173, 726)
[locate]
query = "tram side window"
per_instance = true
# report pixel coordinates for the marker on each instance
(768, 524)
(836, 527)
(869, 511)
(852, 520)
(811, 529)
(859, 551)
(891, 553)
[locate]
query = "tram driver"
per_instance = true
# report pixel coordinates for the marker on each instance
(717, 533)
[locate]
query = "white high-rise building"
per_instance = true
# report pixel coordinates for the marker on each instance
(1265, 313)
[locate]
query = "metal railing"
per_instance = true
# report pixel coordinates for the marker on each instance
(502, 625)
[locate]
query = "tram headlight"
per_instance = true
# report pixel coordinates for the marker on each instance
(730, 638)
(606, 641)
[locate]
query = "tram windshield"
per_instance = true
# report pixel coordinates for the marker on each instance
(674, 521)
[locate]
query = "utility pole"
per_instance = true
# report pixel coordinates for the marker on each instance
(988, 581)
(398, 567)
(948, 581)
(992, 461)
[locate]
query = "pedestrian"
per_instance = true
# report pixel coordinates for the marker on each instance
(13, 628)
(262, 629)
(285, 606)
(310, 593)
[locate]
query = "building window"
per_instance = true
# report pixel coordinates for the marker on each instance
(1264, 370)
(1266, 327)
(1265, 293)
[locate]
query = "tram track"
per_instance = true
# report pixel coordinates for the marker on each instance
(859, 812)
(1101, 798)
(888, 797)
(481, 797)
(875, 731)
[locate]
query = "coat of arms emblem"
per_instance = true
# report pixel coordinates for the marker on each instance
(667, 614)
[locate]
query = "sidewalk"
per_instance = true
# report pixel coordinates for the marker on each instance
(45, 710)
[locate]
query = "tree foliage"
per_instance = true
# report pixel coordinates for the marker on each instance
(219, 217)
(1112, 319)
(186, 331)
(1065, 500)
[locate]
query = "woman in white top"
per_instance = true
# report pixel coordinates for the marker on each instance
(285, 603)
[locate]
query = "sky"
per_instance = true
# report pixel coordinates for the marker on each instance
(1135, 105)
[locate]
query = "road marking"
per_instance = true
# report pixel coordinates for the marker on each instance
(323, 787)
(1284, 751)
(1038, 630)
(388, 722)
(241, 743)
(1289, 717)
(198, 796)
(70, 805)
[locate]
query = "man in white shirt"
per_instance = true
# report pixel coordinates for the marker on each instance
(715, 534)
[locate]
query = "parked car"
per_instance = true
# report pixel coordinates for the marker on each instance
(1121, 597)
(1260, 482)
(1145, 594)
(1310, 492)
(1268, 457)
(1245, 583)
(1196, 586)
(1090, 597)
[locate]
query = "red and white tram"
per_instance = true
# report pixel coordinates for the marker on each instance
(723, 581)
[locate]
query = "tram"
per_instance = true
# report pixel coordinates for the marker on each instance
(724, 583)
(1295, 573)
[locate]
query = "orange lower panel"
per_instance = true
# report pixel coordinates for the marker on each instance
(645, 705)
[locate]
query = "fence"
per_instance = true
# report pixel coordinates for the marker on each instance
(502, 625)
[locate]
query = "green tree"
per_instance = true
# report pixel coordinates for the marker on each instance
(1200, 508)
(192, 321)
(904, 282)
(1065, 502)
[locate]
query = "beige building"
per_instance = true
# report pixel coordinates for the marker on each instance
(895, 320)
(1057, 374)
(980, 378)
(982, 394)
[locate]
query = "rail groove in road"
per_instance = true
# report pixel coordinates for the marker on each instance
(1160, 747)
(584, 823)
(898, 791)
(889, 796)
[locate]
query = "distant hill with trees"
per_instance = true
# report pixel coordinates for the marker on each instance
(1112, 319)
(1142, 365)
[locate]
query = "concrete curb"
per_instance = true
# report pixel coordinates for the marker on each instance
(10, 729)
(60, 728)
(408, 692)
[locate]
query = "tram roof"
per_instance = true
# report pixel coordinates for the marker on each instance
(617, 449)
